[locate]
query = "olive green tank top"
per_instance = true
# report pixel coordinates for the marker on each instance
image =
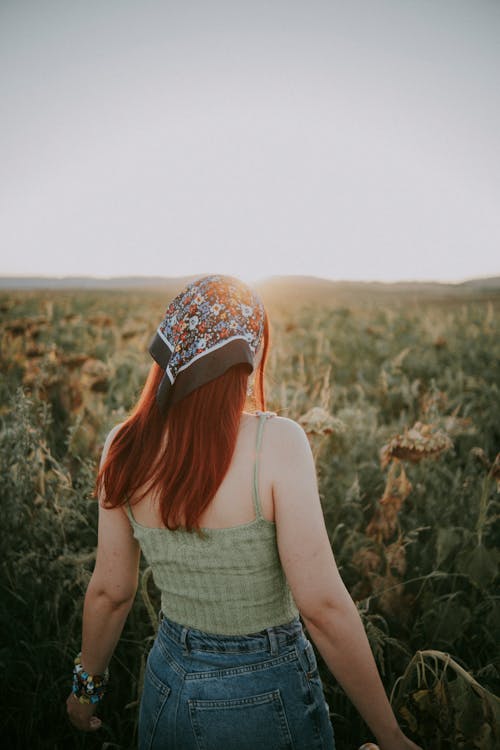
(231, 582)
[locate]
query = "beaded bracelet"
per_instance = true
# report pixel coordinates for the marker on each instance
(88, 688)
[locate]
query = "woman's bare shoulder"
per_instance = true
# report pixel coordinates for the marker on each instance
(287, 435)
(109, 439)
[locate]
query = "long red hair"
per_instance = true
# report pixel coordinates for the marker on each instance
(182, 458)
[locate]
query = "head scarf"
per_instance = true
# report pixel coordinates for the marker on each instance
(214, 323)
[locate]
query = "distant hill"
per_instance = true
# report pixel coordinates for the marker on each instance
(487, 282)
(286, 290)
(278, 290)
(92, 282)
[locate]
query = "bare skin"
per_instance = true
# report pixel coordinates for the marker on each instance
(82, 715)
(289, 497)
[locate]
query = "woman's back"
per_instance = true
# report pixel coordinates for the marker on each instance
(230, 580)
(233, 504)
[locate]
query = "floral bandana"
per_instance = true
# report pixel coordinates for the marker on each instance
(214, 323)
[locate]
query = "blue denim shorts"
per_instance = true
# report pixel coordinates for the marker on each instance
(229, 692)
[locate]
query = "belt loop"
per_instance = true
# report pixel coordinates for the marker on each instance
(184, 640)
(273, 641)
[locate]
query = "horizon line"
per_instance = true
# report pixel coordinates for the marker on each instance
(261, 279)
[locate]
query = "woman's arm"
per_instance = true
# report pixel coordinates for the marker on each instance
(111, 590)
(109, 597)
(325, 604)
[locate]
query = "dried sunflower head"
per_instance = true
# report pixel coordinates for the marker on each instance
(74, 361)
(132, 328)
(317, 421)
(419, 442)
(94, 375)
(100, 319)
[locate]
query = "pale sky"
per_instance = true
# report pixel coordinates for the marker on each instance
(350, 140)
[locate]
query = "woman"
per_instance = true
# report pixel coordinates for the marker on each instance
(224, 505)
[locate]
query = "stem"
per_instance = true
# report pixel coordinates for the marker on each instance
(483, 507)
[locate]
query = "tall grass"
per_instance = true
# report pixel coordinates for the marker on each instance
(415, 539)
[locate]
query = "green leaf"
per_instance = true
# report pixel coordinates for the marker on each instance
(481, 564)
(446, 621)
(448, 539)
(468, 708)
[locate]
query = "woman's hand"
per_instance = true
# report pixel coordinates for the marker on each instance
(398, 741)
(81, 715)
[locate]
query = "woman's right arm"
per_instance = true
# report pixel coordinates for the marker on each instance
(328, 611)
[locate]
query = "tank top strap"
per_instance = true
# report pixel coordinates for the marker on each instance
(263, 415)
(128, 510)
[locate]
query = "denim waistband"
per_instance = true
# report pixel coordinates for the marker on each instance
(268, 639)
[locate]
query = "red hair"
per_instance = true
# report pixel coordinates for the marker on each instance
(182, 458)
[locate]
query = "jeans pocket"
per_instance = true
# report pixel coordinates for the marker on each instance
(243, 723)
(154, 697)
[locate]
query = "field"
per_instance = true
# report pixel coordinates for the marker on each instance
(400, 397)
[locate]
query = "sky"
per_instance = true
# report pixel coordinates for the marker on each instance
(347, 140)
